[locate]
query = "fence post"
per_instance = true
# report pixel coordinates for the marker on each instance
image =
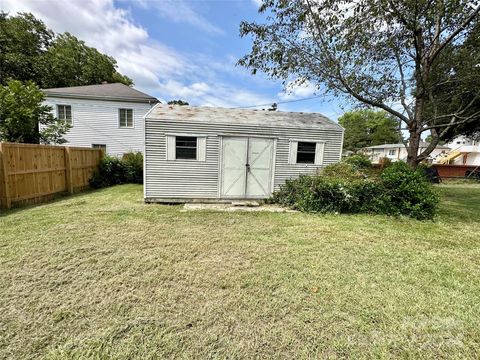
(68, 170)
(6, 202)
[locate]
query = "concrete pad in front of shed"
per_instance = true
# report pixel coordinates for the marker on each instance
(234, 207)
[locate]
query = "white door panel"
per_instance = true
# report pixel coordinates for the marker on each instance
(233, 167)
(259, 171)
(246, 167)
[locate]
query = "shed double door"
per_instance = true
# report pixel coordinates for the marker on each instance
(247, 165)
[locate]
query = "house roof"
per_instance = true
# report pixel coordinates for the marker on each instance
(385, 146)
(240, 116)
(396, 146)
(115, 91)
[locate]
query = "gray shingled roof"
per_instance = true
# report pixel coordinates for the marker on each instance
(116, 91)
(240, 116)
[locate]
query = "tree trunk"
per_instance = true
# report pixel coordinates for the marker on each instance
(415, 134)
(412, 150)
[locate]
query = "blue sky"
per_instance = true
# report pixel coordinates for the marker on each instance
(176, 49)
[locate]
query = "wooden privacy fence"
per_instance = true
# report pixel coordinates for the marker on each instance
(31, 173)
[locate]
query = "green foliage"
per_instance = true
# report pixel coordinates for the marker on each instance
(115, 171)
(379, 54)
(458, 75)
(32, 52)
(24, 119)
(359, 161)
(322, 194)
(134, 167)
(407, 192)
(72, 63)
(354, 188)
(24, 40)
(368, 128)
(178, 102)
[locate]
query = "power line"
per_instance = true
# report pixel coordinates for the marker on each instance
(279, 102)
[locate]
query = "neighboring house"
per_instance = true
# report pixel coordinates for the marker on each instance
(224, 154)
(464, 151)
(108, 116)
(396, 152)
(458, 141)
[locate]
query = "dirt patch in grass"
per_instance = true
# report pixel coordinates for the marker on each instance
(103, 275)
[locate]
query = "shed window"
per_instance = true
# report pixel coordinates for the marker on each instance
(64, 112)
(125, 118)
(186, 147)
(306, 152)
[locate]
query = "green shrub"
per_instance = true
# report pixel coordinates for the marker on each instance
(408, 192)
(359, 162)
(115, 171)
(134, 167)
(322, 194)
(344, 188)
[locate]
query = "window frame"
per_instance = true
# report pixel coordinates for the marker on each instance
(306, 152)
(187, 147)
(319, 152)
(126, 120)
(99, 146)
(170, 146)
(64, 119)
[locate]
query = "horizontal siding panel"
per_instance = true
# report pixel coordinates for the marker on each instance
(96, 122)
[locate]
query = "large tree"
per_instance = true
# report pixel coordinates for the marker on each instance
(459, 85)
(23, 43)
(23, 117)
(368, 128)
(381, 53)
(29, 51)
(71, 62)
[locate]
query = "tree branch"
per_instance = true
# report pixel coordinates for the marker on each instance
(453, 35)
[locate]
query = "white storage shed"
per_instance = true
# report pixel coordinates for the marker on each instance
(216, 154)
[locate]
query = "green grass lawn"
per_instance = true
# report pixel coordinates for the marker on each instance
(102, 275)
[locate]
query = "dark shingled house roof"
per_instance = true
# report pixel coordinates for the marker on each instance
(115, 92)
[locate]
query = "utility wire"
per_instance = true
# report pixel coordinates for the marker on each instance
(279, 102)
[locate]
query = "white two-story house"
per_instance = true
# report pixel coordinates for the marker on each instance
(108, 116)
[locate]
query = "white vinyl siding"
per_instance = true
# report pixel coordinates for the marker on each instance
(200, 179)
(293, 152)
(64, 112)
(171, 147)
(96, 122)
(125, 118)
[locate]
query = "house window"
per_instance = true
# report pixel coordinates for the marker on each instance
(125, 118)
(100, 146)
(306, 152)
(186, 147)
(64, 112)
(391, 152)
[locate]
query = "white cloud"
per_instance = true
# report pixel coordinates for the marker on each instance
(257, 3)
(297, 90)
(219, 94)
(179, 11)
(154, 67)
